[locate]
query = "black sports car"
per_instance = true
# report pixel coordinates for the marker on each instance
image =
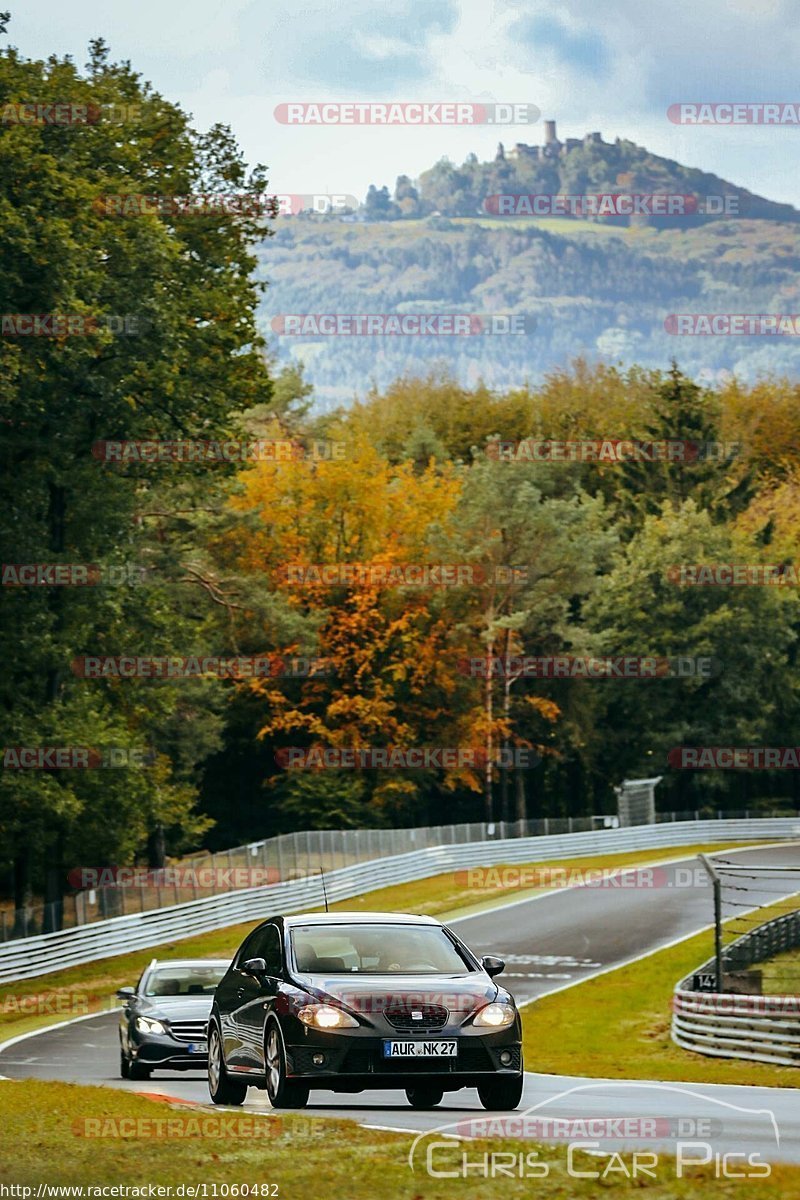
(348, 1001)
(164, 1021)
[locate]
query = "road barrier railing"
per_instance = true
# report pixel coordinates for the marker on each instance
(98, 896)
(730, 1025)
(287, 856)
(44, 953)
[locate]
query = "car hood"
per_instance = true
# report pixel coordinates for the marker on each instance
(370, 994)
(176, 1008)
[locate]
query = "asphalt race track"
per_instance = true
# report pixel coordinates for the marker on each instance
(548, 942)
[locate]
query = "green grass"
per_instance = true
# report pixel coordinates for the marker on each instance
(617, 1026)
(45, 1140)
(781, 975)
(33, 1004)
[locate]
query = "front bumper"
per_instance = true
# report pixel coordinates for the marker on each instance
(358, 1061)
(160, 1050)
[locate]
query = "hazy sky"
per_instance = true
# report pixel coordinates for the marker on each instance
(612, 65)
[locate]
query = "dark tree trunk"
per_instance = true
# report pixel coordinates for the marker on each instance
(157, 848)
(22, 890)
(53, 918)
(522, 801)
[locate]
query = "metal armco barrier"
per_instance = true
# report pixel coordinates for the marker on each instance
(27, 957)
(725, 1025)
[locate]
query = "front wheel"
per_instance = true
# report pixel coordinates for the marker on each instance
(221, 1088)
(124, 1065)
(426, 1096)
(282, 1092)
(137, 1070)
(504, 1092)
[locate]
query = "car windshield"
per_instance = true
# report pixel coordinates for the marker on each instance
(376, 950)
(184, 981)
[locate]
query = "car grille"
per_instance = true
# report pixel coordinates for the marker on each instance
(474, 1058)
(432, 1016)
(188, 1031)
(469, 1058)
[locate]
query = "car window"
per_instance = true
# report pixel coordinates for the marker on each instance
(265, 943)
(376, 950)
(169, 980)
(245, 951)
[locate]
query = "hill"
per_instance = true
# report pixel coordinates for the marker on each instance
(595, 288)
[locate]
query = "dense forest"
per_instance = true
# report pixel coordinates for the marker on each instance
(199, 556)
(604, 294)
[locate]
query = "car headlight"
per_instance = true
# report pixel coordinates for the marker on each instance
(148, 1025)
(325, 1016)
(496, 1016)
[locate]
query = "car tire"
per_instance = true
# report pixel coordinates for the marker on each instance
(424, 1096)
(138, 1070)
(124, 1065)
(282, 1092)
(221, 1088)
(504, 1092)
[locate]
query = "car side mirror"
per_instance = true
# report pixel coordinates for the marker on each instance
(492, 966)
(255, 967)
(126, 993)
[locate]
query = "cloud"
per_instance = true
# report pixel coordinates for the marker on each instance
(373, 52)
(578, 48)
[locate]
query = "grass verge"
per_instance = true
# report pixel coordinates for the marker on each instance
(68, 1135)
(617, 1026)
(26, 1005)
(780, 975)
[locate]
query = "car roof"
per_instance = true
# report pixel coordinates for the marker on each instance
(187, 962)
(358, 918)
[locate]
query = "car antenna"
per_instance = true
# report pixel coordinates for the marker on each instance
(324, 892)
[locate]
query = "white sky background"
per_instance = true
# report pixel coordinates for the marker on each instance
(614, 65)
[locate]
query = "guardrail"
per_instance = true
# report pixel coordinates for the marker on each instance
(27, 957)
(114, 892)
(259, 862)
(726, 1025)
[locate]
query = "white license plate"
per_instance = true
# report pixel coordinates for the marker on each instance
(420, 1049)
(198, 1047)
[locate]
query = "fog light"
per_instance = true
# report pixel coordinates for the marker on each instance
(506, 1058)
(318, 1059)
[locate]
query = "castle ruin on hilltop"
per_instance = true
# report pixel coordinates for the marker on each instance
(552, 147)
